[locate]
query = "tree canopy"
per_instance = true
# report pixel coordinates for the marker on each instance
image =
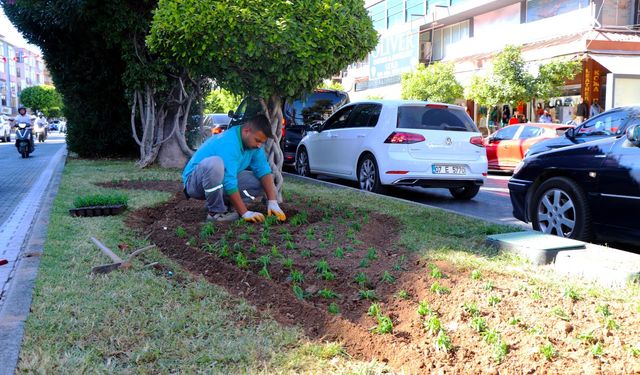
(436, 83)
(221, 101)
(43, 99)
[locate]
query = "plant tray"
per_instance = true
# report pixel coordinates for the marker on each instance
(98, 210)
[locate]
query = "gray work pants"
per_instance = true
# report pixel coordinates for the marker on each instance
(205, 182)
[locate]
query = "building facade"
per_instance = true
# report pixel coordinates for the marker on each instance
(603, 35)
(19, 68)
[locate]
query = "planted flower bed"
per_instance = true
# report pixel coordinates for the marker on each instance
(99, 205)
(339, 273)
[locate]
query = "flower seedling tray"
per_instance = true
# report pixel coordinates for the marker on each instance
(98, 210)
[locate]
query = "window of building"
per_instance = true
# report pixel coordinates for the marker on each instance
(395, 12)
(413, 9)
(445, 37)
(541, 9)
(616, 12)
(378, 14)
(431, 5)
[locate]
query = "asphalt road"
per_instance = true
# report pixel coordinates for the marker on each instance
(491, 204)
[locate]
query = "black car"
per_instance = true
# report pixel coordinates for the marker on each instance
(611, 123)
(298, 115)
(586, 191)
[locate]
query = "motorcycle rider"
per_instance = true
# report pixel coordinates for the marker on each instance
(42, 126)
(20, 118)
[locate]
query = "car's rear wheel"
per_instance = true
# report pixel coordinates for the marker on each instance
(302, 164)
(368, 175)
(560, 207)
(465, 192)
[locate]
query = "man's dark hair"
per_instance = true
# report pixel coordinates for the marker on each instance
(261, 123)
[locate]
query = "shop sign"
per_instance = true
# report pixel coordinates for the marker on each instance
(395, 54)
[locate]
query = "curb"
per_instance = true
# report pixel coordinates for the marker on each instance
(17, 304)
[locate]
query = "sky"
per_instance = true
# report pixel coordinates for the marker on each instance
(12, 35)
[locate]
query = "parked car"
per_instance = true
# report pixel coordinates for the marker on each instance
(298, 115)
(611, 123)
(399, 143)
(5, 129)
(506, 147)
(216, 123)
(585, 191)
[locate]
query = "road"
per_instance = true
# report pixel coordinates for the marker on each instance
(492, 203)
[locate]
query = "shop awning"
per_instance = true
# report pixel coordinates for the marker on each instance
(619, 64)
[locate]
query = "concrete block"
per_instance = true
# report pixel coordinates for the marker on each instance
(538, 247)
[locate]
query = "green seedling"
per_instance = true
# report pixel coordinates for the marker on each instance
(432, 325)
(588, 337)
(207, 230)
(439, 289)
(364, 263)
(488, 285)
(253, 249)
(493, 300)
(372, 254)
(333, 308)
(275, 252)
(270, 221)
(548, 351)
(349, 214)
(361, 279)
(192, 241)
(349, 248)
(237, 247)
(244, 237)
(339, 253)
(264, 241)
(327, 293)
(357, 242)
(597, 350)
(424, 309)
(491, 336)
(305, 253)
(610, 324)
(299, 219)
(603, 310)
(351, 234)
(322, 245)
(634, 350)
(572, 294)
(298, 292)
(181, 232)
(296, 276)
(443, 342)
(478, 324)
(385, 325)
(476, 275)
(264, 272)
(403, 294)
(330, 237)
(328, 276)
(264, 260)
(287, 263)
(367, 294)
(374, 309)
(560, 313)
(388, 278)
(241, 261)
(209, 248)
(286, 236)
(536, 330)
(356, 226)
(311, 234)
(435, 271)
(500, 351)
(250, 230)
(471, 309)
(289, 245)
(100, 200)
(322, 266)
(514, 321)
(223, 252)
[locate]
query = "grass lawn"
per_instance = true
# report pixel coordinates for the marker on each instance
(143, 321)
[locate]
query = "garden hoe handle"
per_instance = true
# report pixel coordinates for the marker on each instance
(106, 250)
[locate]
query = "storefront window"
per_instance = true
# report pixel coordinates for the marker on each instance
(447, 36)
(378, 14)
(540, 9)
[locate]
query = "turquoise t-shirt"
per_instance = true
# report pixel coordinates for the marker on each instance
(228, 146)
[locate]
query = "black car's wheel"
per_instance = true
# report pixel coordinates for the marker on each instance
(302, 164)
(559, 207)
(368, 175)
(465, 192)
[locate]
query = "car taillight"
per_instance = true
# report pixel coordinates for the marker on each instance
(404, 138)
(216, 130)
(477, 141)
(283, 124)
(439, 106)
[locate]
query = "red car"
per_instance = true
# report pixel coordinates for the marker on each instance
(506, 147)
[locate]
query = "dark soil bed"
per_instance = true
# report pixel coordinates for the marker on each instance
(353, 241)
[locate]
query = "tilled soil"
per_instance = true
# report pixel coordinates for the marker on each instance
(580, 334)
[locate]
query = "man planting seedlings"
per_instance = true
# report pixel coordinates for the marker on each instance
(219, 169)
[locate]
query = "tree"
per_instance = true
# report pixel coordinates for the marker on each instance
(266, 48)
(221, 101)
(436, 83)
(331, 85)
(43, 99)
(510, 81)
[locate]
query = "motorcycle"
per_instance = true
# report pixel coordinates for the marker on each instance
(24, 139)
(40, 132)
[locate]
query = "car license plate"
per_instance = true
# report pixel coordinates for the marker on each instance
(448, 169)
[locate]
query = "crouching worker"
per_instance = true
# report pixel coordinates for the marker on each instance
(217, 173)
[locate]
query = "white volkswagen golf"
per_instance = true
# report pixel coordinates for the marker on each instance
(396, 142)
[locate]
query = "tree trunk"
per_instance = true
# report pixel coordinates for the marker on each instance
(273, 109)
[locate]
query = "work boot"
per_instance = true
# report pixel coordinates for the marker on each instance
(224, 217)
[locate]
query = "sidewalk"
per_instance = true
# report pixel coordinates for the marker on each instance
(22, 239)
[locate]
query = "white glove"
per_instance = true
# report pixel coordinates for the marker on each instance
(274, 209)
(253, 217)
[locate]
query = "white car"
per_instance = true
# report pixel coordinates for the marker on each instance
(5, 129)
(401, 143)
